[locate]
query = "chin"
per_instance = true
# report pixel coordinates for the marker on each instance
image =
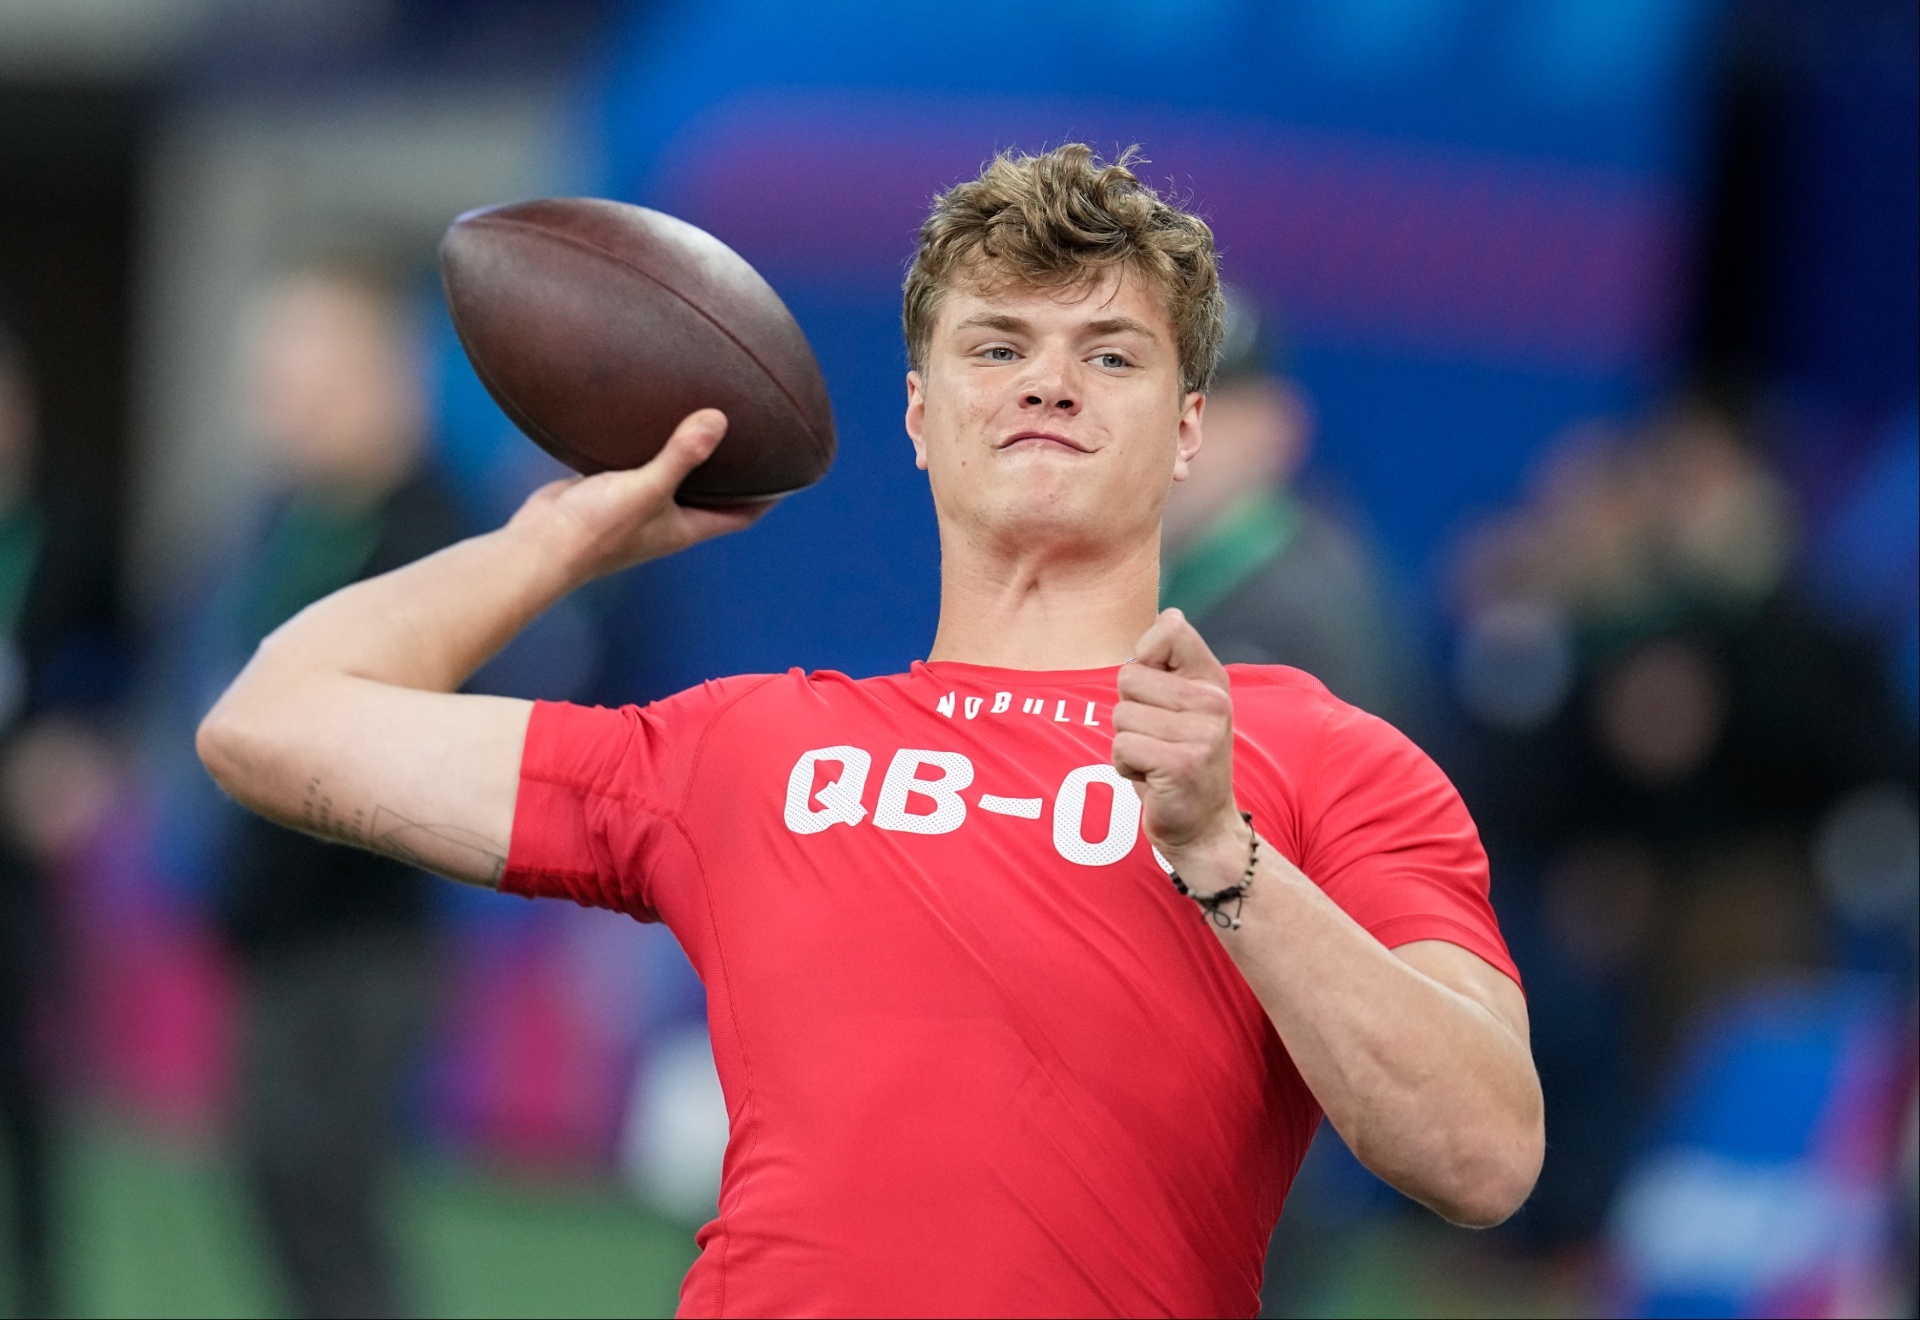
(1064, 518)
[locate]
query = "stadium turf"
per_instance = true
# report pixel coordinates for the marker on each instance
(155, 1228)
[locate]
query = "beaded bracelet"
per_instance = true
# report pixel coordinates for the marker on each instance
(1212, 904)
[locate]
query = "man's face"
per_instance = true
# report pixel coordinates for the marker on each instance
(1053, 420)
(333, 390)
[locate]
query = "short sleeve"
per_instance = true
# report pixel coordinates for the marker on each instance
(597, 818)
(1388, 839)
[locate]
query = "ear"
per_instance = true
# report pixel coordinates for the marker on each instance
(917, 418)
(1187, 442)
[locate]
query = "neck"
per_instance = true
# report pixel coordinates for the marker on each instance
(1043, 611)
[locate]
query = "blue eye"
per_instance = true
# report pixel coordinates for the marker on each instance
(995, 353)
(1111, 361)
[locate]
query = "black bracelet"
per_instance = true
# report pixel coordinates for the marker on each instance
(1214, 904)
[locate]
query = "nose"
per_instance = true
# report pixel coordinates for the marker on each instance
(1062, 403)
(1054, 398)
(1046, 385)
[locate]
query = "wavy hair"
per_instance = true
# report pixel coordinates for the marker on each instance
(1061, 219)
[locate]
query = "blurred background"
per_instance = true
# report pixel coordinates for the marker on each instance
(1569, 422)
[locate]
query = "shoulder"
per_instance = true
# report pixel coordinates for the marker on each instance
(750, 701)
(767, 692)
(1280, 695)
(669, 741)
(697, 705)
(1364, 812)
(1328, 750)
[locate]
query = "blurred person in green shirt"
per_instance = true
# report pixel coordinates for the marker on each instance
(334, 944)
(1268, 575)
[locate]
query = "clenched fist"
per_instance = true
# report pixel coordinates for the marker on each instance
(1173, 737)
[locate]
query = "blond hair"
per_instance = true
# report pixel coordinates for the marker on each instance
(1060, 220)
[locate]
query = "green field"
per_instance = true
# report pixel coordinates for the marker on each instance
(155, 1228)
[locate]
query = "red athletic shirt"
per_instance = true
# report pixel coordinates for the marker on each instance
(979, 1057)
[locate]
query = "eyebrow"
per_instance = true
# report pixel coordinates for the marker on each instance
(994, 321)
(1120, 325)
(1112, 325)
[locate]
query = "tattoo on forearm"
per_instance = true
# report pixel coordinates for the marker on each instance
(435, 847)
(442, 848)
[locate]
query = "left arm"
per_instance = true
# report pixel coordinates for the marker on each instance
(1419, 1055)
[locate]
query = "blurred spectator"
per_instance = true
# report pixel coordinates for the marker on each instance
(1268, 576)
(334, 943)
(56, 609)
(1664, 730)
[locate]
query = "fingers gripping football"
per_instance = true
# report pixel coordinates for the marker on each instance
(616, 519)
(1173, 735)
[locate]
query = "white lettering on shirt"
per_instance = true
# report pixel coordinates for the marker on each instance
(908, 777)
(903, 781)
(952, 704)
(1123, 821)
(839, 799)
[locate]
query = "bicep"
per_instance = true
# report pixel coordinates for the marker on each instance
(1472, 977)
(429, 778)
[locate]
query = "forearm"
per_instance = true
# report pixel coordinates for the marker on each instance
(1433, 1091)
(340, 726)
(1419, 1056)
(346, 725)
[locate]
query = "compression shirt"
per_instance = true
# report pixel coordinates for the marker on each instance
(979, 1057)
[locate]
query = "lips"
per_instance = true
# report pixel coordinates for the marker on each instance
(1048, 437)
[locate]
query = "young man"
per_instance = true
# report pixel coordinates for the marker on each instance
(980, 1055)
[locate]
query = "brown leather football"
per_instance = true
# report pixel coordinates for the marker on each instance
(597, 326)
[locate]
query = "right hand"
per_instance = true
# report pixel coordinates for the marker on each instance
(614, 520)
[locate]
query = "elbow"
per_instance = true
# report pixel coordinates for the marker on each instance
(1488, 1202)
(217, 743)
(237, 750)
(259, 735)
(1486, 1188)
(1474, 1178)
